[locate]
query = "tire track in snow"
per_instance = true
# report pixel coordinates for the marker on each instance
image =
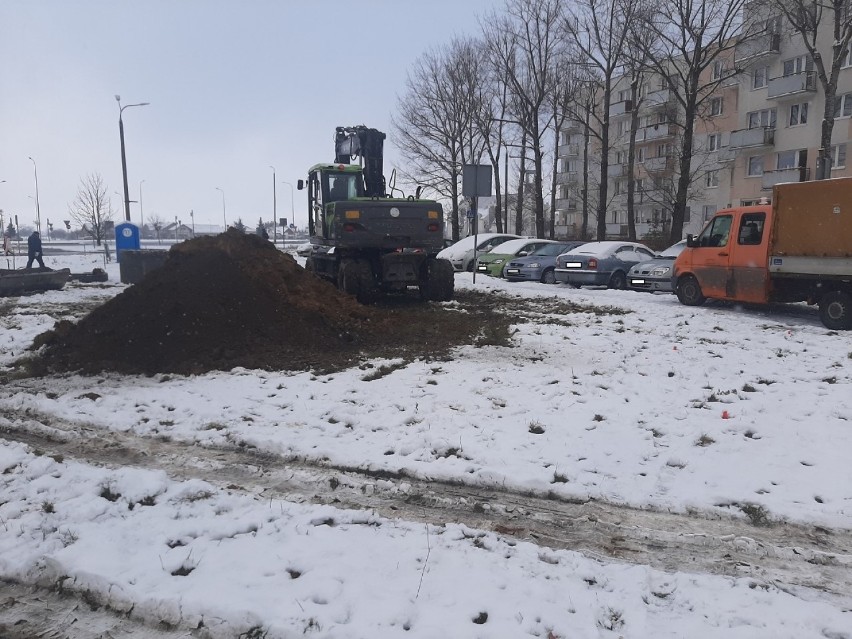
(793, 557)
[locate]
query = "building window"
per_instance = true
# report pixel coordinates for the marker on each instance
(773, 24)
(714, 141)
(759, 77)
(718, 70)
(708, 211)
(847, 56)
(797, 65)
(711, 179)
(838, 156)
(843, 106)
(798, 114)
(715, 106)
(755, 165)
(791, 159)
(615, 217)
(640, 154)
(763, 118)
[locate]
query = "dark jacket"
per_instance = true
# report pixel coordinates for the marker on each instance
(34, 245)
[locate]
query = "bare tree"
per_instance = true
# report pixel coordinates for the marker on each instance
(435, 127)
(682, 41)
(600, 29)
(157, 223)
(811, 20)
(526, 46)
(92, 209)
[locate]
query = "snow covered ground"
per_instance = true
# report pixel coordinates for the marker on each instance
(716, 414)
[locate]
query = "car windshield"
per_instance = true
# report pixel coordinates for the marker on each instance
(551, 249)
(510, 247)
(673, 251)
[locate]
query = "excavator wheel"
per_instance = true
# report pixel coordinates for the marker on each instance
(368, 292)
(438, 282)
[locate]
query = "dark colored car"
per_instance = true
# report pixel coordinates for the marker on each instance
(656, 274)
(538, 266)
(601, 263)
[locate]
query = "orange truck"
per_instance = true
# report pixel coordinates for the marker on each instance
(796, 249)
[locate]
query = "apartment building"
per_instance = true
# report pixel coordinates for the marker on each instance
(758, 128)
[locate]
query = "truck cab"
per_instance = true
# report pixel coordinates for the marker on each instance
(727, 260)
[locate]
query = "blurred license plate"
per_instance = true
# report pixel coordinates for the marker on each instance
(637, 281)
(482, 267)
(512, 271)
(573, 264)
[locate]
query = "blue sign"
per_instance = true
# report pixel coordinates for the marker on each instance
(126, 238)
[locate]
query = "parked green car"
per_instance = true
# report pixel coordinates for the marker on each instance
(492, 263)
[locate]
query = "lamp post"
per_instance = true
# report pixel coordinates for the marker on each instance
(292, 206)
(177, 223)
(192, 217)
(224, 218)
(123, 156)
(141, 212)
(38, 211)
(274, 210)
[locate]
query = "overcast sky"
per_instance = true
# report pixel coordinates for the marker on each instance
(234, 88)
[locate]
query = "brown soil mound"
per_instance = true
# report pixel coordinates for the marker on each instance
(234, 300)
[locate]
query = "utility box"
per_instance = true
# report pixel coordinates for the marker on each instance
(126, 239)
(135, 264)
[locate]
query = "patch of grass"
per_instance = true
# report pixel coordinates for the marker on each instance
(183, 571)
(106, 493)
(598, 418)
(536, 428)
(382, 371)
(757, 515)
(294, 574)
(496, 334)
(705, 440)
(748, 388)
(255, 632)
(830, 380)
(559, 478)
(334, 482)
(48, 507)
(481, 618)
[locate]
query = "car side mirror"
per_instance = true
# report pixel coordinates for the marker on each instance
(691, 241)
(523, 254)
(300, 185)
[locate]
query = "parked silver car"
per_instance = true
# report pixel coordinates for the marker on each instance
(600, 263)
(461, 254)
(656, 274)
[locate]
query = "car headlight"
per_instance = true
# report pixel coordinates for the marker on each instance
(533, 265)
(661, 270)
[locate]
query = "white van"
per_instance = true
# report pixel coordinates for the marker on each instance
(460, 254)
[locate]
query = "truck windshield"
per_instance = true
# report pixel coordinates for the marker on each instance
(342, 186)
(716, 233)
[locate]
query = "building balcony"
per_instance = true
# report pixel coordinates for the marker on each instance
(725, 155)
(616, 170)
(794, 174)
(569, 177)
(566, 204)
(569, 150)
(759, 136)
(620, 108)
(659, 164)
(658, 132)
(791, 85)
(756, 46)
(657, 98)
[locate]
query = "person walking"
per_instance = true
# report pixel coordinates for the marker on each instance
(34, 250)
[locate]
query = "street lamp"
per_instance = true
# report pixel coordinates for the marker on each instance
(292, 206)
(192, 217)
(274, 209)
(38, 211)
(224, 218)
(141, 213)
(123, 157)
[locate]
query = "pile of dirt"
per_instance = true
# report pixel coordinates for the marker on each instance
(235, 300)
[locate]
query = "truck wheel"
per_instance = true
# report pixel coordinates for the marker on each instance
(689, 291)
(618, 281)
(361, 272)
(548, 277)
(835, 311)
(346, 278)
(438, 283)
